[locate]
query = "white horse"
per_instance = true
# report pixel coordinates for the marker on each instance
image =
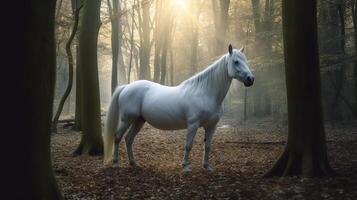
(196, 102)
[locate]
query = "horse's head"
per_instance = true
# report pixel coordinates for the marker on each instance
(238, 67)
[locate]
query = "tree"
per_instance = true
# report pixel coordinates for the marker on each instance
(354, 17)
(220, 23)
(70, 66)
(78, 108)
(195, 7)
(91, 141)
(39, 82)
(116, 40)
(305, 153)
(145, 44)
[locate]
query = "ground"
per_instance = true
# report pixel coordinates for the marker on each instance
(240, 156)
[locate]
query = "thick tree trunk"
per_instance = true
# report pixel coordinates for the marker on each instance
(70, 70)
(305, 153)
(91, 141)
(78, 110)
(354, 16)
(39, 82)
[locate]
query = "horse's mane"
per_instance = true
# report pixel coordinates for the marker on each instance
(213, 77)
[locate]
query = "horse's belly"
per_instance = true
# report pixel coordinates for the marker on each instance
(165, 121)
(163, 116)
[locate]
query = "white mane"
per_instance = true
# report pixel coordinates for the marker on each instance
(214, 77)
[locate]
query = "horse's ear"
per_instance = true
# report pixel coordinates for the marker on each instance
(230, 49)
(241, 49)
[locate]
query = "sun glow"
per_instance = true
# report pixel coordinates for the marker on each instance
(180, 3)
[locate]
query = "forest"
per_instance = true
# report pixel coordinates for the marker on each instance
(269, 86)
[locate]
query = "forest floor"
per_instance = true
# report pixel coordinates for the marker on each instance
(240, 156)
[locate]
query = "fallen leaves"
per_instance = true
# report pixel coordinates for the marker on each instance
(238, 167)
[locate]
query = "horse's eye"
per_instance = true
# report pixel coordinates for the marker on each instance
(236, 62)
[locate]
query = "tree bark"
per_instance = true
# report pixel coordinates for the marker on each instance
(91, 141)
(158, 39)
(131, 45)
(78, 107)
(40, 81)
(145, 46)
(70, 69)
(305, 153)
(115, 42)
(354, 17)
(221, 24)
(196, 11)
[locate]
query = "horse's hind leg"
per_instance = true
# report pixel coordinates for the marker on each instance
(123, 126)
(129, 139)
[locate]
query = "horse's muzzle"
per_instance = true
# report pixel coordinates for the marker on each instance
(249, 81)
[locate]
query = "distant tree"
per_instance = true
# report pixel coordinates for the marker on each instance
(70, 66)
(263, 26)
(195, 7)
(116, 40)
(220, 16)
(144, 33)
(305, 153)
(40, 80)
(91, 141)
(78, 107)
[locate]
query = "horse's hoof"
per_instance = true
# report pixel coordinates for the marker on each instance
(116, 165)
(135, 166)
(208, 168)
(186, 171)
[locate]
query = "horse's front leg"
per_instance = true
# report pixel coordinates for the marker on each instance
(209, 131)
(191, 132)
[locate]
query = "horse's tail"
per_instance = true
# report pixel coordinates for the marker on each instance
(112, 121)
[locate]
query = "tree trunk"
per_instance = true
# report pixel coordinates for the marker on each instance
(70, 69)
(354, 17)
(195, 9)
(221, 24)
(91, 141)
(145, 46)
(78, 110)
(158, 40)
(305, 153)
(121, 66)
(131, 46)
(164, 57)
(171, 66)
(115, 42)
(78, 107)
(40, 81)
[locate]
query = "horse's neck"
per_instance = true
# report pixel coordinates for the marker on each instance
(213, 81)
